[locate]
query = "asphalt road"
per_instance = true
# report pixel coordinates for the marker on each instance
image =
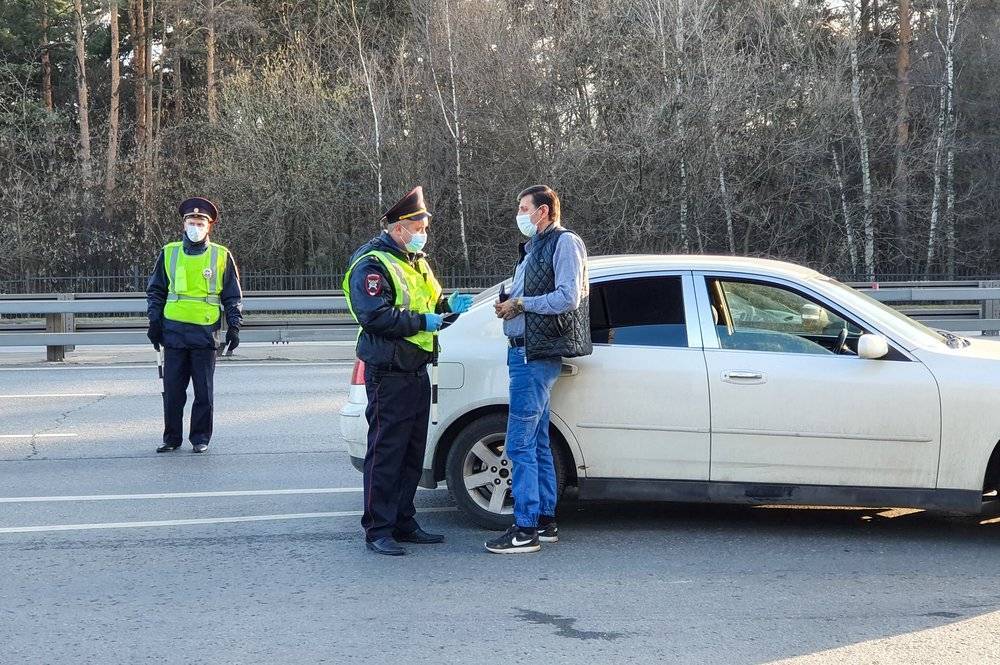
(252, 553)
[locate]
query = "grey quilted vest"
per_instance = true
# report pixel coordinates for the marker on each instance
(564, 335)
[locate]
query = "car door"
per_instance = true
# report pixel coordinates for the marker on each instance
(639, 404)
(787, 409)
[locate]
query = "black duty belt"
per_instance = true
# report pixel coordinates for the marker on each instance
(385, 372)
(516, 342)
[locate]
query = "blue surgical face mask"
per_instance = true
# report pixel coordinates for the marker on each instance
(525, 225)
(416, 242)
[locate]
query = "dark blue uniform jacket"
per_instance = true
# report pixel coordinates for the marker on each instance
(177, 335)
(383, 326)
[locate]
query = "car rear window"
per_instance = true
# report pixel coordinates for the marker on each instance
(644, 311)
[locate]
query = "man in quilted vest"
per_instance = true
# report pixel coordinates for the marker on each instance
(194, 282)
(546, 318)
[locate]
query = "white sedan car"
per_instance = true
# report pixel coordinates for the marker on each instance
(719, 379)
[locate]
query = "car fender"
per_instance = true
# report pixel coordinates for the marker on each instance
(969, 386)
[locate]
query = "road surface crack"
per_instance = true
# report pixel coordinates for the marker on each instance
(59, 422)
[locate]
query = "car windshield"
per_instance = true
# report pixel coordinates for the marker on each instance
(899, 317)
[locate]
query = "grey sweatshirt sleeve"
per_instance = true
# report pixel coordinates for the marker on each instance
(570, 262)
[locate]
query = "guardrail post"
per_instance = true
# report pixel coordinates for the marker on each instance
(991, 308)
(58, 323)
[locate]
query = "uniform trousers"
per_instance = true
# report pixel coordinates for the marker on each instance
(181, 367)
(397, 413)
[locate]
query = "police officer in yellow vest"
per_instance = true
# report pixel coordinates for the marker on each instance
(396, 299)
(194, 282)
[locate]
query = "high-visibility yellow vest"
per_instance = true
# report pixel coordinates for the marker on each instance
(194, 283)
(415, 287)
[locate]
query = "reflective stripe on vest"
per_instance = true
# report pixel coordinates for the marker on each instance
(194, 284)
(211, 300)
(415, 288)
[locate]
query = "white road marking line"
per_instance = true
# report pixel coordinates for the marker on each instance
(224, 363)
(37, 436)
(54, 395)
(206, 520)
(186, 495)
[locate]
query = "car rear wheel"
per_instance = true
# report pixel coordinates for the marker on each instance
(479, 473)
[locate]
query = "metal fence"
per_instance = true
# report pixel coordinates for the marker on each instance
(134, 280)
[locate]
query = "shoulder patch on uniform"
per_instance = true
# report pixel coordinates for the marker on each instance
(373, 283)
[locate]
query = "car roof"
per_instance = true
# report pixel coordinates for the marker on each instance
(611, 264)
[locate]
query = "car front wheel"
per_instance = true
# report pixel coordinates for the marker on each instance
(479, 473)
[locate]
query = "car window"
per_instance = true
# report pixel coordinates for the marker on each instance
(644, 311)
(753, 316)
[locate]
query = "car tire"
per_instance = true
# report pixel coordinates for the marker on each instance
(469, 458)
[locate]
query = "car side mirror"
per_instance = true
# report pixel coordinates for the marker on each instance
(872, 347)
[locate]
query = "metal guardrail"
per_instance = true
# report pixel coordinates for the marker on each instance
(61, 335)
(983, 315)
(76, 305)
(956, 306)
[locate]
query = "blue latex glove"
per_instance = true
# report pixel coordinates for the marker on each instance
(459, 303)
(432, 321)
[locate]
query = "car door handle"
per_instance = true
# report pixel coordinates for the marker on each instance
(569, 369)
(743, 376)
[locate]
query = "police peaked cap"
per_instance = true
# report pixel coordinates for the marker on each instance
(198, 206)
(408, 208)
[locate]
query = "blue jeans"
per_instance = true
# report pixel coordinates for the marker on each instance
(527, 445)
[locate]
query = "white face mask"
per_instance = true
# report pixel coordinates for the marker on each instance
(525, 225)
(195, 233)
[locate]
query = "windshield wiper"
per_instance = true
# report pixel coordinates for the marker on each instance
(953, 340)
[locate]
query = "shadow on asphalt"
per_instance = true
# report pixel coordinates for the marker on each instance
(789, 520)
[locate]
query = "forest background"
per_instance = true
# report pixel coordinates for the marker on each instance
(860, 137)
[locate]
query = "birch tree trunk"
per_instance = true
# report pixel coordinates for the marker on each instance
(137, 23)
(950, 129)
(454, 126)
(457, 137)
(178, 66)
(86, 163)
(727, 202)
(114, 113)
(859, 119)
(936, 195)
(212, 95)
(377, 162)
(944, 146)
(658, 23)
(679, 123)
(901, 179)
(46, 61)
(158, 114)
(148, 87)
(852, 250)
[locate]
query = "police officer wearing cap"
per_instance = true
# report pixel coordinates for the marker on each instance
(195, 280)
(393, 294)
